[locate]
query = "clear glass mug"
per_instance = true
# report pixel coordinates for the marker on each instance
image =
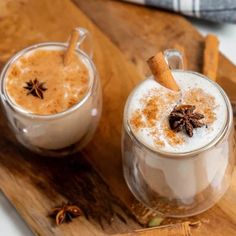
(62, 133)
(171, 184)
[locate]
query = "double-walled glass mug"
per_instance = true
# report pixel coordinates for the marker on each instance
(61, 133)
(179, 184)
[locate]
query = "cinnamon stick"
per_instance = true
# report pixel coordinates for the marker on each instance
(181, 49)
(211, 56)
(161, 72)
(68, 56)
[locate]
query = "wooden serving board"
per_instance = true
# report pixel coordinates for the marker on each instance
(139, 32)
(94, 177)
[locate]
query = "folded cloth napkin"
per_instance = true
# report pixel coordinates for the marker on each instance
(213, 10)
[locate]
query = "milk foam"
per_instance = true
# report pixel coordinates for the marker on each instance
(186, 81)
(65, 91)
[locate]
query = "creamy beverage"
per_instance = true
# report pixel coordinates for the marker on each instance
(151, 104)
(177, 141)
(64, 85)
(161, 173)
(148, 111)
(52, 107)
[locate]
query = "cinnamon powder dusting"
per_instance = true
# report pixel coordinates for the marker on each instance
(156, 106)
(150, 112)
(66, 85)
(204, 103)
(136, 120)
(15, 71)
(154, 103)
(158, 142)
(173, 138)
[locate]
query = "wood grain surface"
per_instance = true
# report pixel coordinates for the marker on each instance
(34, 184)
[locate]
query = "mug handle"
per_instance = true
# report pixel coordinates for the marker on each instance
(174, 59)
(85, 40)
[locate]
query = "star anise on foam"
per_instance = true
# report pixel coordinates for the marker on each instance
(65, 213)
(35, 88)
(183, 117)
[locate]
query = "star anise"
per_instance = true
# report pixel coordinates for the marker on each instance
(35, 88)
(183, 118)
(66, 212)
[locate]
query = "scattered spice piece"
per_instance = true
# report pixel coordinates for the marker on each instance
(183, 117)
(35, 88)
(156, 221)
(65, 213)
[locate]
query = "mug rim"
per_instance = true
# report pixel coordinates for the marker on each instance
(176, 155)
(5, 97)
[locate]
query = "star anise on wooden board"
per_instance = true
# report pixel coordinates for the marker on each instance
(65, 213)
(183, 117)
(35, 88)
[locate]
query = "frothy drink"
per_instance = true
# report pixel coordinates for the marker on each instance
(65, 85)
(152, 103)
(177, 141)
(148, 110)
(56, 105)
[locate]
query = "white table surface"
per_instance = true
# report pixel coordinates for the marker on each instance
(11, 224)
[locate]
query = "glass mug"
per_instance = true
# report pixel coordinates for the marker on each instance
(174, 185)
(65, 132)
